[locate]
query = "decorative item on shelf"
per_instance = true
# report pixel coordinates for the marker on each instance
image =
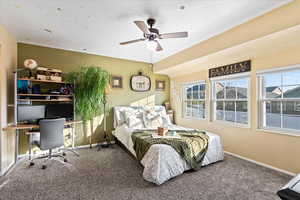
(161, 131)
(36, 89)
(54, 92)
(63, 99)
(29, 89)
(30, 64)
(140, 83)
(160, 85)
(66, 89)
(49, 74)
(23, 86)
(116, 81)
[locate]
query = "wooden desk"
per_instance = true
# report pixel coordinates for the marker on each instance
(19, 127)
(33, 126)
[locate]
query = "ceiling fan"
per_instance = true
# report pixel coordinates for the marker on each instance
(152, 35)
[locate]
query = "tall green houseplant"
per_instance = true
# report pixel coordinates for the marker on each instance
(90, 83)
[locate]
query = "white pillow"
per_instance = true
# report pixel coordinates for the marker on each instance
(154, 122)
(134, 119)
(151, 112)
(119, 114)
(119, 118)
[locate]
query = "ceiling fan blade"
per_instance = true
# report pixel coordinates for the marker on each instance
(132, 41)
(158, 48)
(142, 26)
(173, 35)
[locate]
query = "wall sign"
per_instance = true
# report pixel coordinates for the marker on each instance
(235, 68)
(140, 83)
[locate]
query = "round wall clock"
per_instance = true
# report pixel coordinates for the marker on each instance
(140, 83)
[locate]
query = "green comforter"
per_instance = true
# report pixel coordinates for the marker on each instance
(192, 145)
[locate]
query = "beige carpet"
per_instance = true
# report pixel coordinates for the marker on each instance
(113, 174)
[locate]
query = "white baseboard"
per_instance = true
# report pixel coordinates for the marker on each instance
(85, 146)
(6, 169)
(93, 145)
(261, 164)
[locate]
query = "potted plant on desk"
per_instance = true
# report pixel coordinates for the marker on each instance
(90, 84)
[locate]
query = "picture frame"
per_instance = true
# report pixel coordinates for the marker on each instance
(116, 81)
(160, 85)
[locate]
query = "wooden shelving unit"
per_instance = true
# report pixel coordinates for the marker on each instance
(46, 95)
(28, 99)
(45, 81)
(24, 99)
(45, 100)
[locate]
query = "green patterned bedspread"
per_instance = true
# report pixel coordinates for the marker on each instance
(192, 145)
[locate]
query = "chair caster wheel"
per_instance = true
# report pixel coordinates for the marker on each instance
(64, 154)
(65, 160)
(44, 167)
(31, 163)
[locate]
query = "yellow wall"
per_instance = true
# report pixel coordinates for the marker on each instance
(69, 61)
(8, 60)
(270, 42)
(281, 151)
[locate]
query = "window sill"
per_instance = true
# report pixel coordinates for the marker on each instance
(280, 131)
(237, 125)
(195, 118)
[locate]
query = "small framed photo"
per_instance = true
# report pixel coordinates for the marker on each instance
(160, 85)
(116, 81)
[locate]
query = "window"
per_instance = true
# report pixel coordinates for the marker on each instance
(230, 99)
(280, 100)
(194, 100)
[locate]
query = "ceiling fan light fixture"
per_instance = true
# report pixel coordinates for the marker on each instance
(152, 35)
(151, 45)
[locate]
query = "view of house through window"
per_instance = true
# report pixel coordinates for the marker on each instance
(194, 100)
(230, 99)
(280, 100)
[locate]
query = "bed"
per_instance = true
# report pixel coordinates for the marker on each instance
(161, 162)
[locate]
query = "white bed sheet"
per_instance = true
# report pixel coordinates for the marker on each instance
(162, 162)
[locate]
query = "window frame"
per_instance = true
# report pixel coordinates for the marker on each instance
(214, 100)
(184, 99)
(262, 101)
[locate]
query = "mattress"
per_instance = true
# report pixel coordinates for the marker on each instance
(162, 162)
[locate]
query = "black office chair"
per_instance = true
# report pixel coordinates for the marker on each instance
(51, 137)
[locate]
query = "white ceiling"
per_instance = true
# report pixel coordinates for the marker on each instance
(97, 26)
(285, 41)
